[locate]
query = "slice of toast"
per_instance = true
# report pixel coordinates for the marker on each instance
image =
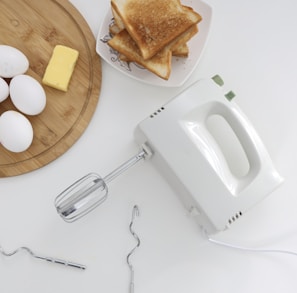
(160, 63)
(181, 51)
(118, 25)
(153, 24)
(183, 38)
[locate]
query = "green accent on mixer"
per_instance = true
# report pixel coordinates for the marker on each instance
(230, 95)
(218, 80)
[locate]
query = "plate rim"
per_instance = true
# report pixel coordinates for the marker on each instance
(153, 79)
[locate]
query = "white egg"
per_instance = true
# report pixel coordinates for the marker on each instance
(4, 90)
(27, 94)
(12, 62)
(16, 132)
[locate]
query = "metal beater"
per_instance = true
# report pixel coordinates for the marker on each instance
(90, 191)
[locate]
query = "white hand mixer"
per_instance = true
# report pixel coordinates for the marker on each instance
(178, 142)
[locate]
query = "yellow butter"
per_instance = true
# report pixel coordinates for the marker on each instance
(60, 67)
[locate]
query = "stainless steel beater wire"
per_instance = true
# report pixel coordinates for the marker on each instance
(80, 194)
(46, 258)
(135, 213)
(70, 202)
(124, 166)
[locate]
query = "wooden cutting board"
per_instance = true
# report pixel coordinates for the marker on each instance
(35, 27)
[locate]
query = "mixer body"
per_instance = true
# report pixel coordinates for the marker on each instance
(190, 158)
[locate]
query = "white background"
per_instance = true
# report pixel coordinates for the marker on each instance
(253, 46)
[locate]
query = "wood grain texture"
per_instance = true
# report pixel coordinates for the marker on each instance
(35, 27)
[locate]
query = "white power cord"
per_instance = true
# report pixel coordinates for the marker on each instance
(243, 248)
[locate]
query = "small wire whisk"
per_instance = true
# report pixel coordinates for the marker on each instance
(45, 258)
(135, 213)
(90, 191)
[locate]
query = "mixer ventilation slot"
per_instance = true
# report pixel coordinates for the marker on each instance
(157, 112)
(235, 217)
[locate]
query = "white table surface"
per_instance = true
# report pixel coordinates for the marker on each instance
(253, 46)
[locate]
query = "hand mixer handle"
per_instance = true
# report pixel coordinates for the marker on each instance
(261, 170)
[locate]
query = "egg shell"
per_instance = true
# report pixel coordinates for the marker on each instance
(27, 94)
(4, 90)
(16, 131)
(12, 62)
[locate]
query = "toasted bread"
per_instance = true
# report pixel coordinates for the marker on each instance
(153, 24)
(183, 38)
(181, 51)
(118, 25)
(160, 63)
(117, 19)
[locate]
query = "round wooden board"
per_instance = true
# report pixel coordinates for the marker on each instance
(35, 27)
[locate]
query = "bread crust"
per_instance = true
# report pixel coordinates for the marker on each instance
(160, 63)
(154, 24)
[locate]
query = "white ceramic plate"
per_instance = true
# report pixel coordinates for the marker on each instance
(181, 67)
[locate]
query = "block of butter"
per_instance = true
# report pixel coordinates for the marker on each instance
(60, 67)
